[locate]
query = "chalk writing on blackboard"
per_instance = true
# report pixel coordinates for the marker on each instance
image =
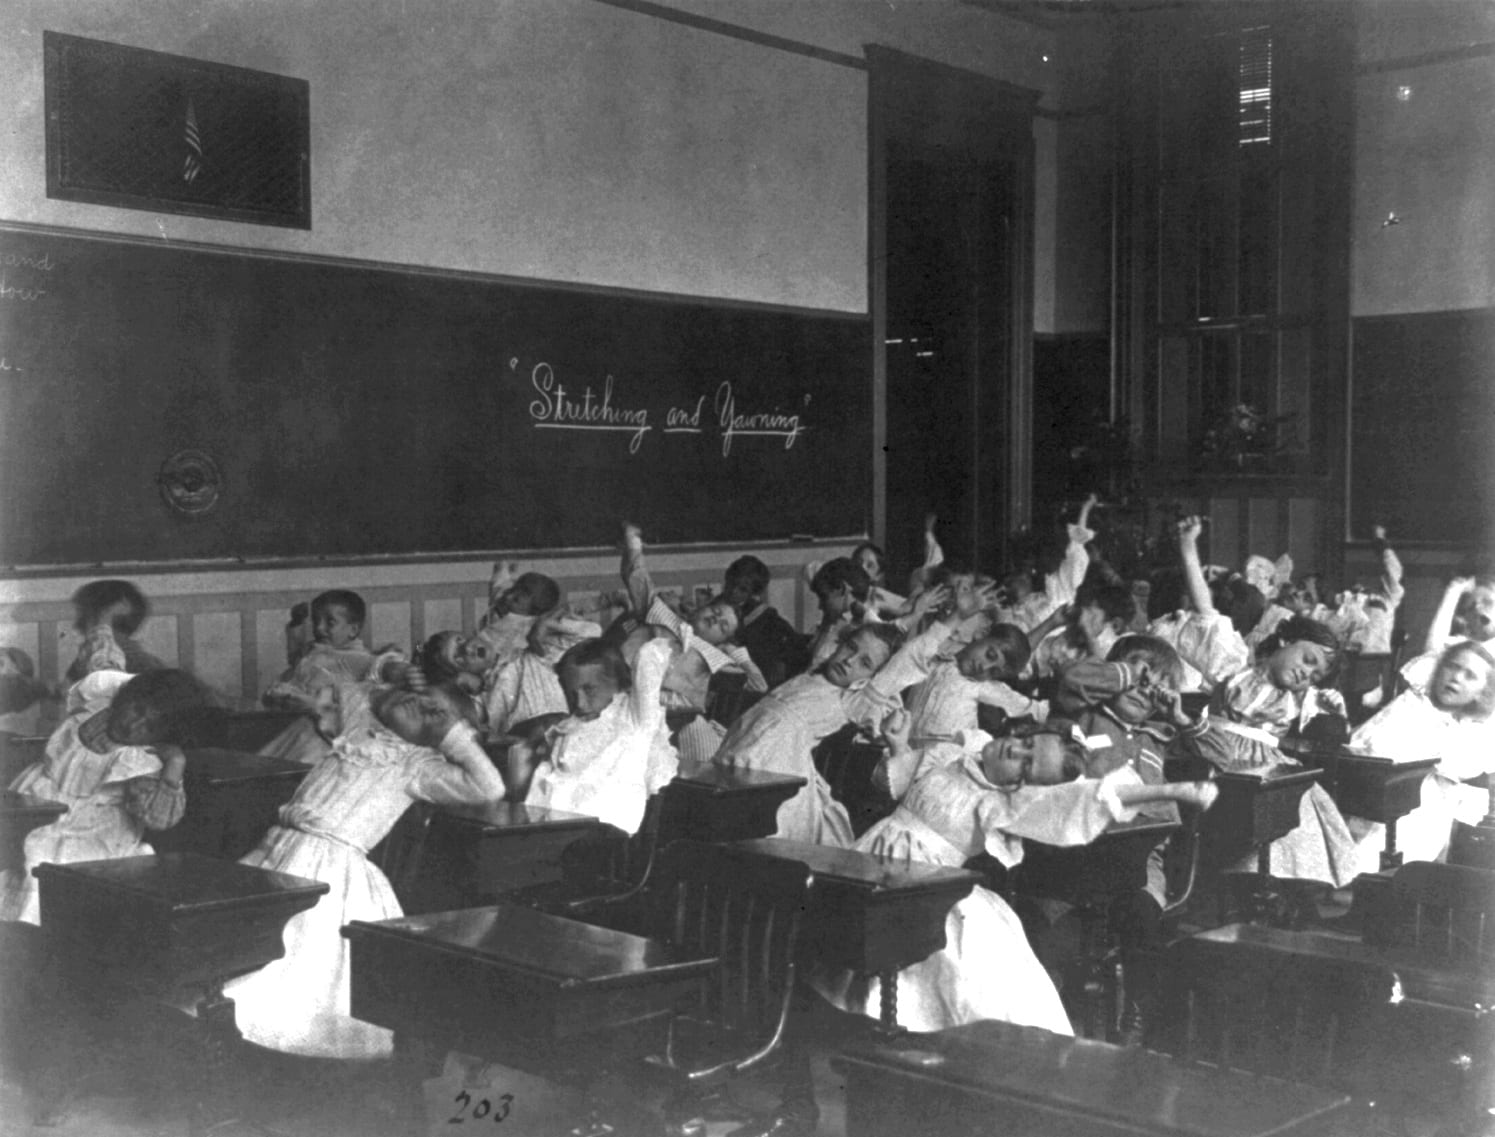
(554, 408)
(9, 291)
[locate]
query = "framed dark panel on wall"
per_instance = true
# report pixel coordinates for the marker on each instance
(146, 130)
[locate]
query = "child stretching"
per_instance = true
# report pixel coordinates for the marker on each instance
(1210, 638)
(1019, 603)
(108, 613)
(775, 648)
(514, 604)
(528, 686)
(320, 678)
(841, 587)
(985, 795)
(700, 648)
(116, 762)
(1260, 704)
(1466, 612)
(345, 806)
(611, 752)
(1451, 721)
(860, 683)
(945, 702)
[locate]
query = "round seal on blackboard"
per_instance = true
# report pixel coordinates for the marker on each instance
(190, 482)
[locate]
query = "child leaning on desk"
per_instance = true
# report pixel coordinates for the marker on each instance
(974, 795)
(116, 762)
(415, 746)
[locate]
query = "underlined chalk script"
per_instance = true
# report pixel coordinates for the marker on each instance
(585, 407)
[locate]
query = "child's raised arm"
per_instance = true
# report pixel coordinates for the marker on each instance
(635, 573)
(1440, 631)
(1391, 569)
(1063, 585)
(1188, 555)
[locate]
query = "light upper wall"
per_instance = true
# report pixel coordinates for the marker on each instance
(1427, 154)
(563, 140)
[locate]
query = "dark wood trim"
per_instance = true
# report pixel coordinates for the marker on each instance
(1427, 58)
(734, 31)
(423, 270)
(258, 564)
(877, 293)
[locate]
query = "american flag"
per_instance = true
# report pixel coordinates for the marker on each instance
(193, 165)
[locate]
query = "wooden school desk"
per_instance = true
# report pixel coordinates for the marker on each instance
(472, 855)
(232, 799)
(707, 802)
(994, 1077)
(1376, 789)
(155, 926)
(19, 815)
(516, 985)
(872, 914)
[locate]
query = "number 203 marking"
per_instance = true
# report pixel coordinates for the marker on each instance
(481, 1109)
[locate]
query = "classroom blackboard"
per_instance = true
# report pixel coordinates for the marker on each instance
(355, 410)
(1422, 427)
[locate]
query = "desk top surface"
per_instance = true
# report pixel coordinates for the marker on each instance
(1315, 753)
(182, 883)
(1276, 778)
(534, 944)
(1408, 962)
(864, 870)
(722, 780)
(212, 765)
(1133, 1086)
(13, 804)
(508, 816)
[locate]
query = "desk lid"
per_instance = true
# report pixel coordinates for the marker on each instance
(182, 883)
(13, 804)
(1141, 1090)
(864, 870)
(716, 779)
(213, 765)
(1318, 752)
(526, 941)
(505, 816)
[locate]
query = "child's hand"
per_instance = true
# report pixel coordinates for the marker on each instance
(930, 521)
(1189, 529)
(1092, 501)
(931, 599)
(1461, 584)
(894, 730)
(1170, 705)
(1378, 532)
(415, 678)
(1199, 794)
(633, 537)
(986, 593)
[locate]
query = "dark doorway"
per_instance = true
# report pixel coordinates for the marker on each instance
(951, 245)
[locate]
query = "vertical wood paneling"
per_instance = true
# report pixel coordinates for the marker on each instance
(1263, 536)
(395, 623)
(249, 656)
(160, 636)
(216, 647)
(270, 647)
(443, 615)
(1224, 532)
(1303, 535)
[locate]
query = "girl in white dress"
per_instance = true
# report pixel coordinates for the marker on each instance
(612, 751)
(344, 807)
(1451, 721)
(986, 795)
(116, 762)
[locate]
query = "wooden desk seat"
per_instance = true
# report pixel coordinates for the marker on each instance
(1092, 878)
(475, 855)
(872, 914)
(19, 815)
(601, 876)
(233, 797)
(701, 999)
(995, 1077)
(1362, 785)
(1385, 1025)
(165, 926)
